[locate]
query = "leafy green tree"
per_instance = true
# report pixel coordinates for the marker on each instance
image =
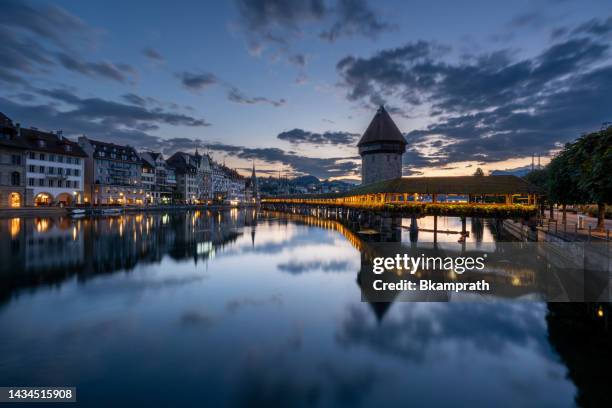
(563, 179)
(590, 158)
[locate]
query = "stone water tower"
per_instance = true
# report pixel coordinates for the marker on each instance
(381, 148)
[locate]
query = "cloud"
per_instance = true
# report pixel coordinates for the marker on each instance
(50, 22)
(235, 95)
(196, 81)
(129, 124)
(36, 38)
(278, 22)
(319, 167)
(528, 19)
(102, 110)
(595, 26)
(98, 118)
(490, 106)
(134, 99)
(153, 54)
(298, 59)
(267, 17)
(355, 17)
(103, 69)
(299, 136)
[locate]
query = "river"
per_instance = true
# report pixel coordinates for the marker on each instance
(238, 308)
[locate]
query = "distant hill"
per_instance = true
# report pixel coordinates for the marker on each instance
(302, 185)
(305, 180)
(519, 172)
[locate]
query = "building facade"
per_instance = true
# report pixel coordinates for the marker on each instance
(113, 173)
(164, 181)
(185, 169)
(147, 177)
(12, 166)
(381, 148)
(54, 169)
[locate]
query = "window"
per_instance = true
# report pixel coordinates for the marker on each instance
(15, 178)
(75, 184)
(31, 182)
(41, 156)
(60, 171)
(61, 184)
(32, 168)
(68, 172)
(41, 169)
(68, 160)
(60, 159)
(76, 172)
(41, 182)
(51, 157)
(51, 183)
(32, 155)
(51, 170)
(16, 159)
(77, 160)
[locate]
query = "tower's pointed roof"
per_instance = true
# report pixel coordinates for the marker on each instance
(382, 129)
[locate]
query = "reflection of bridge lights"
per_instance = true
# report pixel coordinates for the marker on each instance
(516, 281)
(600, 312)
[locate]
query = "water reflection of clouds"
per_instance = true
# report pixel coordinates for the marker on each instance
(234, 305)
(419, 332)
(326, 383)
(297, 267)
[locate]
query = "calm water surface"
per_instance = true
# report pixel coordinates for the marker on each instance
(238, 308)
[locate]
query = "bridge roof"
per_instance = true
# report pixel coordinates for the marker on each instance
(503, 184)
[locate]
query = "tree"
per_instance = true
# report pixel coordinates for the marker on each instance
(562, 180)
(479, 172)
(591, 160)
(539, 178)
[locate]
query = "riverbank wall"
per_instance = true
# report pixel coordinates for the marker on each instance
(89, 211)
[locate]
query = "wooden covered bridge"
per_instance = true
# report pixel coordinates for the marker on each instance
(506, 190)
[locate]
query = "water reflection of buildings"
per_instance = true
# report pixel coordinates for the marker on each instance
(44, 250)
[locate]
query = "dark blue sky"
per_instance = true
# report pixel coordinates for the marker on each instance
(292, 84)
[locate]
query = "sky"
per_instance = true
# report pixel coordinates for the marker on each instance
(291, 85)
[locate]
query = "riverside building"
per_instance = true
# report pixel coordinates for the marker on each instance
(113, 173)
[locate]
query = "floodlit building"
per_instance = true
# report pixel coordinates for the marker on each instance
(113, 173)
(193, 174)
(54, 168)
(164, 182)
(148, 179)
(12, 166)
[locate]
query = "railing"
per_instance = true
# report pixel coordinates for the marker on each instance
(571, 231)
